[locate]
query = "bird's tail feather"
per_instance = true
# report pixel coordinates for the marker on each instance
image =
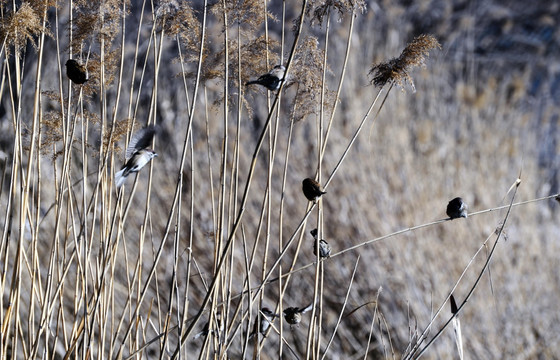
(120, 177)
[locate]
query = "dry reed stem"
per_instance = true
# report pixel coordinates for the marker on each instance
(372, 323)
(340, 83)
(341, 313)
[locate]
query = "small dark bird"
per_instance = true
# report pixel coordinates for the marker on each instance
(454, 308)
(267, 317)
(76, 72)
(457, 208)
(137, 154)
(312, 189)
(206, 329)
(293, 314)
(314, 233)
(324, 247)
(271, 80)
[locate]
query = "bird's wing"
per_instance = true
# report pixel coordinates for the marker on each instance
(142, 139)
(307, 308)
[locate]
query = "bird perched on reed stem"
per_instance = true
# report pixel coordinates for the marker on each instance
(267, 317)
(137, 153)
(293, 314)
(324, 247)
(219, 327)
(457, 208)
(76, 72)
(271, 80)
(312, 189)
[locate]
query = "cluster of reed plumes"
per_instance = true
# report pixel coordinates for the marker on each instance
(186, 257)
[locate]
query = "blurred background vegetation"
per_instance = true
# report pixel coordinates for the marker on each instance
(91, 272)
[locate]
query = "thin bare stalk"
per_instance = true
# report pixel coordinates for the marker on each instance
(340, 82)
(372, 324)
(342, 310)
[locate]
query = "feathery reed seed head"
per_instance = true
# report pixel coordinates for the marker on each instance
(397, 70)
(21, 26)
(319, 11)
(307, 73)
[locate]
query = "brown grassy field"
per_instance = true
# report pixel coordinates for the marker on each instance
(217, 226)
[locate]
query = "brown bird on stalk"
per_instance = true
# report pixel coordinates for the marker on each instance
(293, 314)
(76, 72)
(324, 247)
(312, 189)
(457, 208)
(271, 80)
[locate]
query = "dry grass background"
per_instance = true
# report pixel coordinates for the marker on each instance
(84, 277)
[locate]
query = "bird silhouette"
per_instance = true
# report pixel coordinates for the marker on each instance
(271, 80)
(206, 329)
(312, 189)
(76, 72)
(457, 208)
(292, 315)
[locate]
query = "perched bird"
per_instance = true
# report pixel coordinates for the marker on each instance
(137, 153)
(271, 80)
(76, 72)
(293, 314)
(457, 208)
(312, 189)
(324, 247)
(267, 317)
(206, 329)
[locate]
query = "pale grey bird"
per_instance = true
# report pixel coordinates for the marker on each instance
(267, 317)
(324, 247)
(271, 80)
(457, 208)
(137, 154)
